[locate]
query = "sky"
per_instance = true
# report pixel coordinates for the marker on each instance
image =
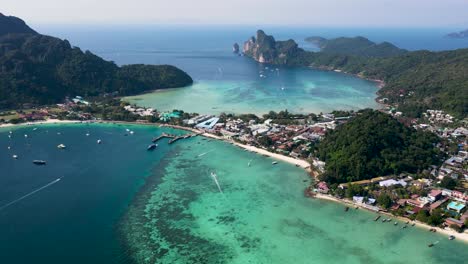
(352, 13)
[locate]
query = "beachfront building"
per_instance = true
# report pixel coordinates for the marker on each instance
(208, 124)
(453, 221)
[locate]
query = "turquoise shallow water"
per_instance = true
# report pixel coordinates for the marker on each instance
(299, 90)
(261, 216)
(117, 203)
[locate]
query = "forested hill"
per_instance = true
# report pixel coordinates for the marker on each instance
(374, 144)
(358, 46)
(38, 69)
(415, 81)
(11, 24)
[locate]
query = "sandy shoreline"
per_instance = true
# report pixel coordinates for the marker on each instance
(48, 121)
(447, 232)
(297, 162)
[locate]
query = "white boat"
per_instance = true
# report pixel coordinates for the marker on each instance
(34, 129)
(15, 156)
(99, 141)
(274, 163)
(25, 135)
(128, 130)
(61, 146)
(131, 132)
(87, 134)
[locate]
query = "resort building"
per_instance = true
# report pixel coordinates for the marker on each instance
(455, 207)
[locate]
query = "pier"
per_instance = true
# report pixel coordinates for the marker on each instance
(173, 138)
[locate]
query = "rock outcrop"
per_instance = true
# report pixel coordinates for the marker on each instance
(235, 48)
(265, 49)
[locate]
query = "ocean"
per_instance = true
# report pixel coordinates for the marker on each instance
(116, 202)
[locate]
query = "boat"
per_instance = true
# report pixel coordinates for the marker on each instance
(61, 146)
(297, 165)
(34, 129)
(87, 134)
(377, 218)
(396, 223)
(15, 156)
(433, 244)
(413, 224)
(151, 147)
(346, 209)
(39, 162)
(25, 135)
(274, 163)
(131, 132)
(99, 141)
(451, 237)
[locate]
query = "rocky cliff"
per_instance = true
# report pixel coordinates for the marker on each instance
(265, 49)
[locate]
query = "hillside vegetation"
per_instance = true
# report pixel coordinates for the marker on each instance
(37, 69)
(375, 144)
(357, 46)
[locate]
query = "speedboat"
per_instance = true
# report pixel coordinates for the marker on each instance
(151, 147)
(15, 156)
(99, 141)
(61, 146)
(39, 162)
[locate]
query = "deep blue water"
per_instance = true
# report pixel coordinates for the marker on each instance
(75, 220)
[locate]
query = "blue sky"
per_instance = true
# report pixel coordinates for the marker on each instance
(375, 13)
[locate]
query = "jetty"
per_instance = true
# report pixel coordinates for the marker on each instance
(173, 138)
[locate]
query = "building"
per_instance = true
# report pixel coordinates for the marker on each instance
(391, 182)
(208, 124)
(453, 221)
(322, 187)
(455, 207)
(435, 195)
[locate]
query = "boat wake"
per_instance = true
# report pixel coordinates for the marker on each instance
(29, 194)
(203, 154)
(215, 179)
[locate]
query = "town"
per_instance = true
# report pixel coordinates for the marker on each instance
(436, 196)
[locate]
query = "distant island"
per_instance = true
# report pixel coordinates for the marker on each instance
(458, 35)
(414, 81)
(36, 70)
(359, 46)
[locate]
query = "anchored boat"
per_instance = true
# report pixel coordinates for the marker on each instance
(39, 162)
(151, 147)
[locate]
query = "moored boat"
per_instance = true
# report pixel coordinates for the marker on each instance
(451, 237)
(274, 163)
(377, 218)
